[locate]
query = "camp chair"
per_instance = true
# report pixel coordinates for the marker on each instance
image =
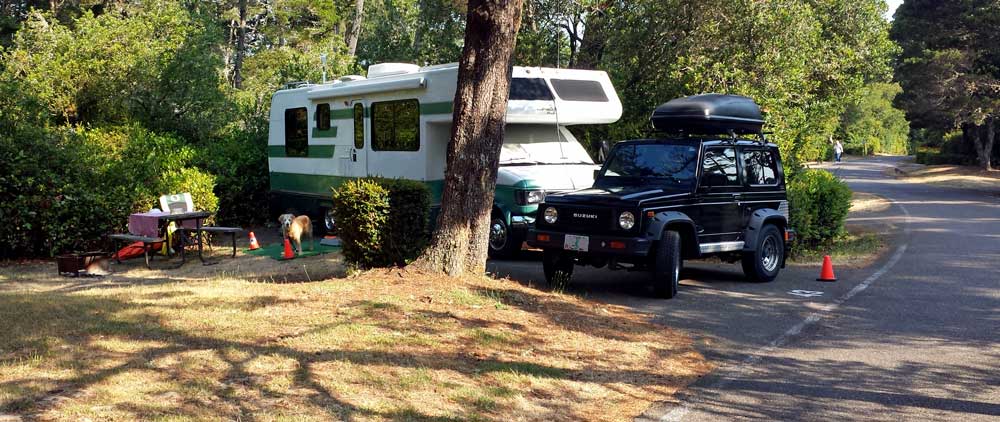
(177, 203)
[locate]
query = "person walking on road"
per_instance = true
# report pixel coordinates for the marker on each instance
(838, 151)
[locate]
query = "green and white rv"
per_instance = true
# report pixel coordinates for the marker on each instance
(396, 123)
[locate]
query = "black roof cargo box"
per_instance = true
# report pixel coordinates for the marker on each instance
(709, 114)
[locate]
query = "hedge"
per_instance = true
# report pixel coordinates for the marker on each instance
(819, 204)
(66, 189)
(382, 222)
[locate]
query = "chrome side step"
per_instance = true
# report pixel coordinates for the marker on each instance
(722, 247)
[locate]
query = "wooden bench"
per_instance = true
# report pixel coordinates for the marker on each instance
(231, 231)
(131, 238)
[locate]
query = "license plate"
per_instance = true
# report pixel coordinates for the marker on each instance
(576, 243)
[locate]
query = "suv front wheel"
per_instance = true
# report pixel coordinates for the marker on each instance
(763, 262)
(558, 267)
(667, 263)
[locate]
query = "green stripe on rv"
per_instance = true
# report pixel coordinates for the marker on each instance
(328, 133)
(444, 107)
(315, 151)
(322, 184)
(436, 108)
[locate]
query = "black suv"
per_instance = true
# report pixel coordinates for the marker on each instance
(658, 201)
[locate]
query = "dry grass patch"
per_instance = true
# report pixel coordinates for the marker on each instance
(383, 345)
(965, 177)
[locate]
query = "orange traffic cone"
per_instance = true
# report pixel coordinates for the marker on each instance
(288, 250)
(827, 273)
(253, 242)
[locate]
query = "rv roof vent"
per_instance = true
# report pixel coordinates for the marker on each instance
(391, 69)
(351, 78)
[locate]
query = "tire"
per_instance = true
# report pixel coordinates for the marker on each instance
(558, 267)
(503, 243)
(764, 261)
(667, 263)
(329, 224)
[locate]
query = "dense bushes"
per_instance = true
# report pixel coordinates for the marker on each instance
(382, 222)
(68, 188)
(819, 206)
(239, 163)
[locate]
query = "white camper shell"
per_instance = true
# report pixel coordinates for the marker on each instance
(396, 123)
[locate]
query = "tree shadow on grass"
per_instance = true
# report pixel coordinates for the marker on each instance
(51, 330)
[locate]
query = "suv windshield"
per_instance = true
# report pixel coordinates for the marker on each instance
(661, 164)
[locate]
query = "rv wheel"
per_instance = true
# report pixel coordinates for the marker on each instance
(328, 221)
(503, 242)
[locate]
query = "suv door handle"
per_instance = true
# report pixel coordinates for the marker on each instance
(737, 196)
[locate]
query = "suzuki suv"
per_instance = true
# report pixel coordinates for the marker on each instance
(656, 202)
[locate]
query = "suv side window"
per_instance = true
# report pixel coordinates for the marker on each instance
(719, 167)
(759, 167)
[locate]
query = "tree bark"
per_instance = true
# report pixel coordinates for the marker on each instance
(984, 142)
(241, 46)
(459, 243)
(352, 37)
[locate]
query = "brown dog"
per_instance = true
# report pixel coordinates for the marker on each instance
(294, 228)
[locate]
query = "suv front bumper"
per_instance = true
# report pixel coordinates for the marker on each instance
(597, 245)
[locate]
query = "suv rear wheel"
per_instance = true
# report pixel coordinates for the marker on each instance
(558, 267)
(667, 264)
(763, 263)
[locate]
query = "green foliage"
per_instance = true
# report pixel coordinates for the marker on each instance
(239, 163)
(69, 188)
(155, 65)
(950, 67)
(819, 203)
(803, 61)
(361, 209)
(872, 125)
(382, 222)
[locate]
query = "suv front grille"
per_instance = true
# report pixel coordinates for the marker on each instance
(584, 220)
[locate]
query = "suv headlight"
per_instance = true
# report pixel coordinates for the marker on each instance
(529, 196)
(551, 215)
(626, 220)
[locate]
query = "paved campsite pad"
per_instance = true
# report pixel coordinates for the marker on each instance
(276, 250)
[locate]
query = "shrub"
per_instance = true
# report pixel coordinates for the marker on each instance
(382, 222)
(69, 188)
(819, 204)
(239, 163)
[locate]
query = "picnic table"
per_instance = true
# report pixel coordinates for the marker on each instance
(150, 225)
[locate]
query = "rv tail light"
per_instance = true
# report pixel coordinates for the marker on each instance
(543, 238)
(616, 244)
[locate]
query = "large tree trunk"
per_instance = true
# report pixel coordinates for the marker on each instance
(984, 142)
(352, 37)
(241, 46)
(459, 244)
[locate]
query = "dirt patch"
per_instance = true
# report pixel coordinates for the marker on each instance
(202, 342)
(865, 202)
(964, 177)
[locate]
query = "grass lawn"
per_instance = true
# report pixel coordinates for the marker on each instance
(383, 345)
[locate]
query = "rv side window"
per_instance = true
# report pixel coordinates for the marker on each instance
(323, 116)
(396, 125)
(530, 89)
(359, 126)
(577, 90)
(296, 132)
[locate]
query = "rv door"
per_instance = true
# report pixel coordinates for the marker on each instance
(355, 163)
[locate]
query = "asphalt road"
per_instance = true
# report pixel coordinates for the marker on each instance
(914, 336)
